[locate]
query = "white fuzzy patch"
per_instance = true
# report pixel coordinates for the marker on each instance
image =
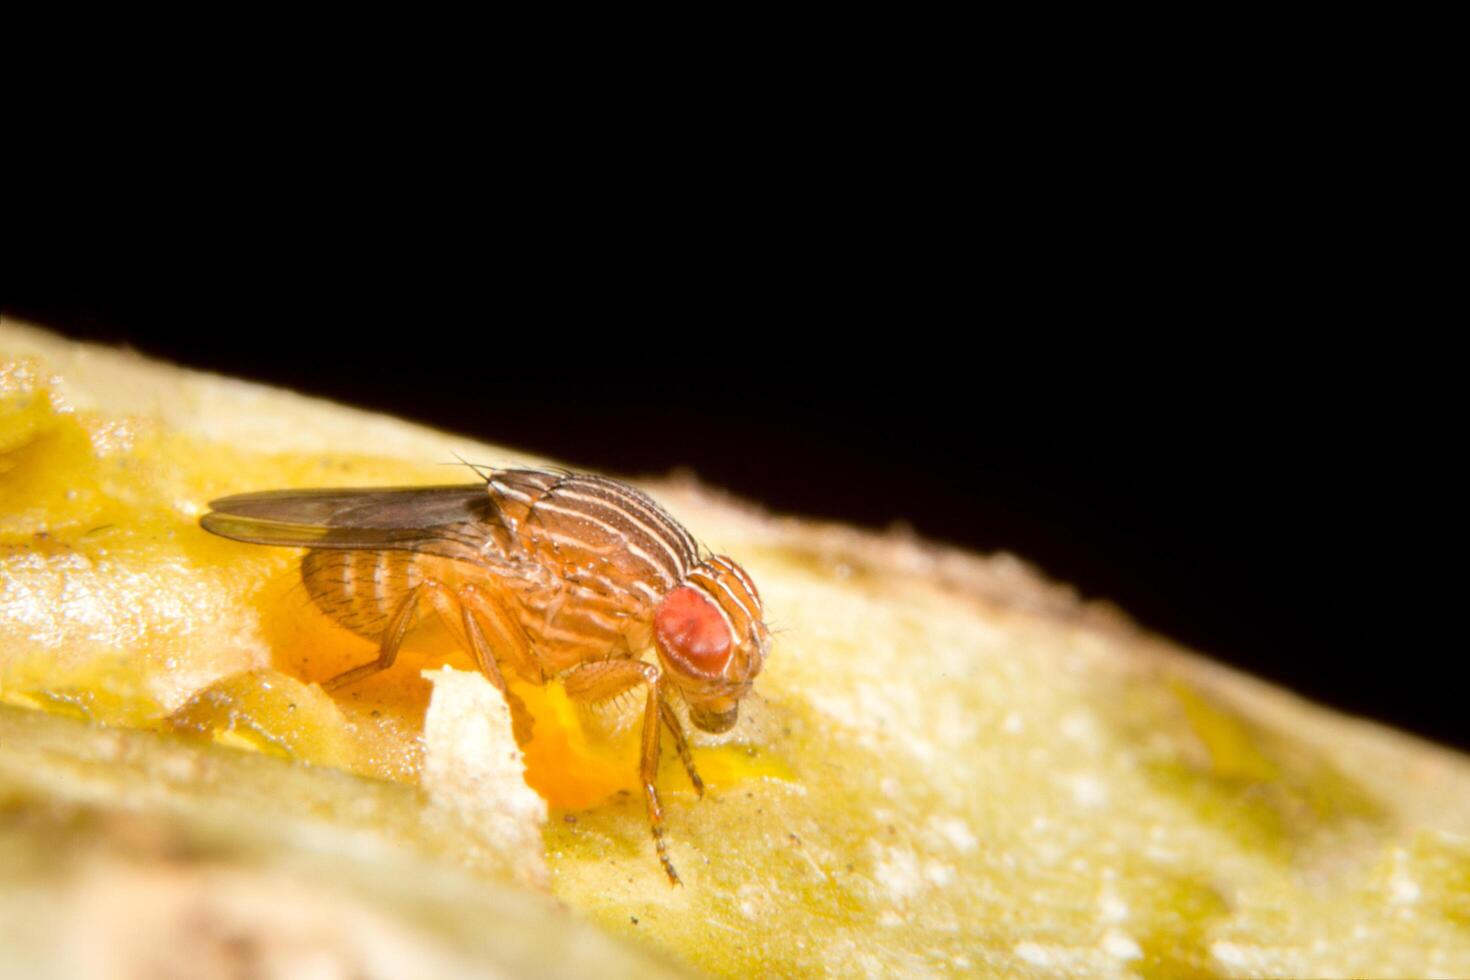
(1034, 953)
(898, 872)
(1120, 945)
(954, 832)
(473, 769)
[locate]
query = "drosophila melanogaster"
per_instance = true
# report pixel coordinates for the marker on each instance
(539, 574)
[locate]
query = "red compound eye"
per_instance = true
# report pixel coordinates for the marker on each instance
(688, 626)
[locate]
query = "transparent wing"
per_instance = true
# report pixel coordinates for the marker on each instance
(438, 520)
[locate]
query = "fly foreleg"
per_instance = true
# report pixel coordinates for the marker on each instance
(671, 719)
(595, 682)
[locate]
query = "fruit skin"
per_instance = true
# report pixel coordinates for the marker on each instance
(954, 766)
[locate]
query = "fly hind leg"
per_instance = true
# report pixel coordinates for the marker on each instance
(464, 610)
(398, 625)
(606, 679)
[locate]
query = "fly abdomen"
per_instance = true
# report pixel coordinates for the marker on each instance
(359, 589)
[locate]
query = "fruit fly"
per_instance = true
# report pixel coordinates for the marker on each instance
(540, 575)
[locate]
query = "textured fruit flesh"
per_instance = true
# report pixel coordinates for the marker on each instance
(100, 538)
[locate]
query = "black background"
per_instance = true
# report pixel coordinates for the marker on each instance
(1199, 399)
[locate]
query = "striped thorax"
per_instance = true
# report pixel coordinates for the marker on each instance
(624, 573)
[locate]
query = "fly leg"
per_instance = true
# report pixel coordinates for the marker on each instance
(460, 608)
(671, 719)
(606, 679)
(398, 624)
(477, 606)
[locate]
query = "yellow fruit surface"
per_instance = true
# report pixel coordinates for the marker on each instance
(950, 766)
